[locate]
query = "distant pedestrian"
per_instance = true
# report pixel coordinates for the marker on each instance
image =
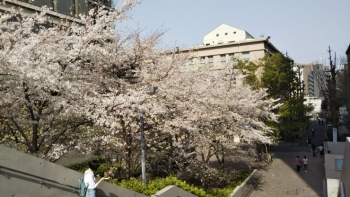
(319, 121)
(321, 149)
(269, 158)
(308, 141)
(313, 146)
(305, 163)
(298, 163)
(313, 132)
(322, 121)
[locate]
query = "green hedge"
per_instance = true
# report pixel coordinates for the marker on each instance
(153, 186)
(82, 166)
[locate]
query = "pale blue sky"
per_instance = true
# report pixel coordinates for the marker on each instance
(304, 28)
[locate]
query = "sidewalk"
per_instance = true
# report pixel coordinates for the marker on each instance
(281, 178)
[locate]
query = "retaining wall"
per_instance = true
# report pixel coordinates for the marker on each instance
(22, 175)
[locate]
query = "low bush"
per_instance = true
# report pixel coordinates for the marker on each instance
(153, 186)
(82, 166)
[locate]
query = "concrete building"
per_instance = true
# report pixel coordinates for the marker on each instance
(312, 75)
(316, 103)
(61, 9)
(337, 168)
(224, 43)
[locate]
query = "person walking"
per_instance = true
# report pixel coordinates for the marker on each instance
(89, 178)
(321, 149)
(308, 141)
(313, 146)
(313, 132)
(297, 163)
(305, 163)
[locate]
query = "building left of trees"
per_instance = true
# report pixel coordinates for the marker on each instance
(59, 9)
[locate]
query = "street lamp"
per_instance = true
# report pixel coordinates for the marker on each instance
(151, 90)
(143, 154)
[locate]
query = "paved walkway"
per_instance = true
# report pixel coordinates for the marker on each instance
(281, 178)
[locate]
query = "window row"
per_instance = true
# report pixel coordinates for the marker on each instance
(69, 7)
(218, 60)
(226, 33)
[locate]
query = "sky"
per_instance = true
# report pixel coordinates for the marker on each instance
(303, 28)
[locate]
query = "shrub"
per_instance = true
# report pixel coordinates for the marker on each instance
(82, 166)
(153, 186)
(157, 184)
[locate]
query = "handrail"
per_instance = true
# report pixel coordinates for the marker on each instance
(43, 180)
(325, 193)
(342, 189)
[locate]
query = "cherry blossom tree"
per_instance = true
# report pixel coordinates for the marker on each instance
(209, 108)
(84, 86)
(57, 80)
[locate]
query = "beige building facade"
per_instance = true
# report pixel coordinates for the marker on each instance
(223, 44)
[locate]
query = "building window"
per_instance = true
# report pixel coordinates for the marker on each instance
(211, 61)
(190, 65)
(226, 34)
(202, 61)
(217, 35)
(234, 32)
(48, 3)
(338, 163)
(66, 7)
(246, 56)
(230, 56)
(223, 58)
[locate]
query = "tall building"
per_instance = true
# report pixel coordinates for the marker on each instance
(60, 9)
(313, 78)
(226, 42)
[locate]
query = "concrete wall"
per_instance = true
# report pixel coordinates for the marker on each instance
(22, 175)
(247, 187)
(335, 147)
(345, 175)
(173, 191)
(329, 160)
(332, 187)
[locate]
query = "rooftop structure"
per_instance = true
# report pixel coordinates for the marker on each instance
(223, 44)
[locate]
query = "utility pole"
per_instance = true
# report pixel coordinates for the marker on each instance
(143, 159)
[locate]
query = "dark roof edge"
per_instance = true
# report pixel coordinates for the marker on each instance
(348, 50)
